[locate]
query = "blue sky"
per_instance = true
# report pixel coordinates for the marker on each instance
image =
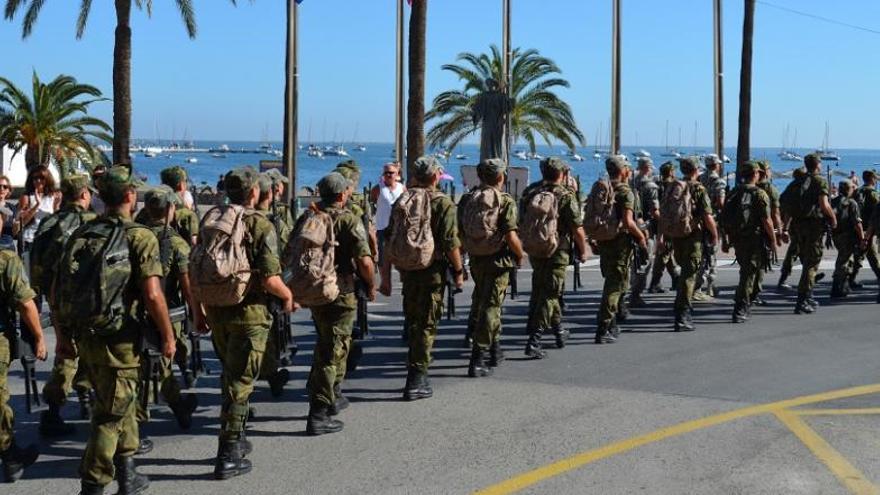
(228, 83)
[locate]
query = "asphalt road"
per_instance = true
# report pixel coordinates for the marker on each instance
(639, 416)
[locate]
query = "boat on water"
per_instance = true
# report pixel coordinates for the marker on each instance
(314, 152)
(521, 155)
(790, 156)
(192, 159)
(642, 153)
(461, 157)
(670, 152)
(360, 148)
(218, 155)
(152, 152)
(825, 152)
(536, 156)
(335, 151)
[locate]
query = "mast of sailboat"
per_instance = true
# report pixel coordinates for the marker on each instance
(291, 97)
(667, 136)
(615, 76)
(399, 117)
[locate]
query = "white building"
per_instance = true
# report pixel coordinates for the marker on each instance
(14, 166)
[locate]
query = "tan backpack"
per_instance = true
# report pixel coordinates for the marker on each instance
(219, 265)
(601, 219)
(480, 234)
(411, 246)
(538, 229)
(676, 211)
(311, 259)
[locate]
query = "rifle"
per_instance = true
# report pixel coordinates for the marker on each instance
(151, 354)
(575, 260)
(281, 332)
(451, 291)
(21, 347)
(362, 325)
(514, 285)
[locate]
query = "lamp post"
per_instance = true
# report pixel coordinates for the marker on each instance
(615, 77)
(291, 95)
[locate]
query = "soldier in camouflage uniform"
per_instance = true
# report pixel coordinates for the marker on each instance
(750, 220)
(615, 255)
(284, 220)
(765, 184)
(186, 221)
(688, 251)
(868, 198)
(16, 295)
(491, 273)
(351, 171)
(240, 332)
(716, 188)
(160, 205)
(66, 375)
(791, 252)
(423, 289)
(113, 363)
(269, 370)
(848, 238)
(647, 192)
(334, 321)
(868, 240)
(663, 259)
(548, 275)
(808, 230)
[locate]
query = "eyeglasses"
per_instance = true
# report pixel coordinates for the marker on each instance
(389, 174)
(4, 186)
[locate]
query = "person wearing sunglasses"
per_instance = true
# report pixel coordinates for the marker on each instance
(40, 200)
(384, 195)
(6, 239)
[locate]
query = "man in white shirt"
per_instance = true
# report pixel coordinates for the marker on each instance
(383, 196)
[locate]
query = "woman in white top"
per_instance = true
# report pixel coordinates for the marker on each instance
(41, 199)
(384, 195)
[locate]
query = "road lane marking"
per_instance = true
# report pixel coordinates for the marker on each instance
(837, 412)
(576, 461)
(848, 474)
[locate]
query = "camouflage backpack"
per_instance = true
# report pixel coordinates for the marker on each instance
(411, 246)
(738, 217)
(480, 214)
(795, 201)
(48, 245)
(601, 219)
(93, 277)
(311, 259)
(539, 230)
(220, 270)
(677, 211)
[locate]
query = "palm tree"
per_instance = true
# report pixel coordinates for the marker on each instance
(537, 111)
(743, 145)
(415, 115)
(53, 123)
(121, 55)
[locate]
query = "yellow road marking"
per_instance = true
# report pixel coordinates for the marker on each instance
(851, 477)
(837, 412)
(534, 476)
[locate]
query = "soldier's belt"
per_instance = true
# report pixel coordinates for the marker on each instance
(177, 315)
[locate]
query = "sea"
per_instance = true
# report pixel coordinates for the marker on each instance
(209, 167)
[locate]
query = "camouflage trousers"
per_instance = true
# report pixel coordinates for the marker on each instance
(663, 259)
(7, 418)
(847, 247)
(706, 272)
(114, 425)
(809, 236)
(688, 252)
(239, 346)
(639, 276)
(270, 363)
(334, 323)
(490, 287)
(749, 255)
(871, 255)
(66, 375)
(790, 254)
(615, 257)
(169, 387)
(181, 357)
(423, 306)
(548, 282)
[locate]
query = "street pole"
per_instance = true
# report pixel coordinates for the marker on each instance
(291, 96)
(719, 83)
(399, 115)
(508, 89)
(615, 77)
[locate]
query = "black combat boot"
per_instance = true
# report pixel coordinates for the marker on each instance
(496, 355)
(802, 307)
(15, 460)
(184, 409)
(783, 276)
(53, 425)
(820, 277)
(189, 379)
(340, 403)
(230, 461)
(88, 488)
(684, 321)
(320, 422)
(740, 313)
(561, 334)
(636, 301)
(854, 284)
(86, 399)
(477, 366)
(812, 302)
(533, 345)
(130, 481)
(622, 310)
(604, 335)
(468, 341)
(417, 386)
(837, 290)
(277, 381)
(145, 446)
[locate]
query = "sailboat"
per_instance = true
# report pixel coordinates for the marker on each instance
(600, 151)
(670, 152)
(357, 147)
(786, 154)
(825, 152)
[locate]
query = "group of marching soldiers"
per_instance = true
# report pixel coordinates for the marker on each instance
(639, 225)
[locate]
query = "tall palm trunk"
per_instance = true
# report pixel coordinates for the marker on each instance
(415, 129)
(743, 147)
(122, 84)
